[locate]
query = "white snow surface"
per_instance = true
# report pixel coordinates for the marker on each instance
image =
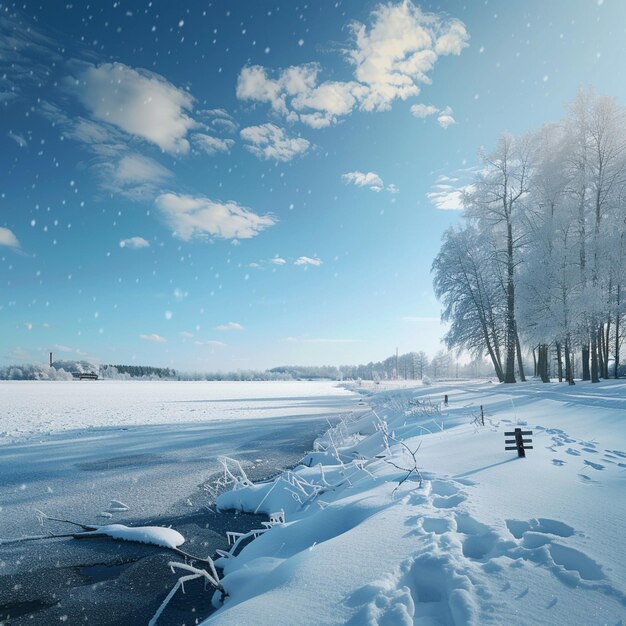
(44, 407)
(155, 535)
(488, 538)
(131, 450)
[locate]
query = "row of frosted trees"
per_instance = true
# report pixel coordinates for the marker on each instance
(538, 263)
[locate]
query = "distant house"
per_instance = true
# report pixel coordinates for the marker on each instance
(88, 376)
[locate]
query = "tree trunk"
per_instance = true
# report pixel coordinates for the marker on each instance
(520, 363)
(544, 364)
(569, 374)
(509, 374)
(585, 360)
(607, 337)
(600, 346)
(559, 362)
(594, 358)
(534, 364)
(617, 312)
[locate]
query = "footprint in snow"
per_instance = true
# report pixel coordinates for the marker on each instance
(587, 480)
(443, 488)
(450, 502)
(575, 561)
(617, 453)
(573, 452)
(558, 462)
(595, 466)
(518, 528)
(590, 450)
(436, 525)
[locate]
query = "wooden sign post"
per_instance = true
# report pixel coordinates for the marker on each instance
(519, 443)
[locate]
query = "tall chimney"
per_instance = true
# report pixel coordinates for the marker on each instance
(51, 359)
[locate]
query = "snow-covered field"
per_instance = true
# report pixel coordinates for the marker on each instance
(487, 538)
(484, 538)
(107, 453)
(45, 407)
(71, 448)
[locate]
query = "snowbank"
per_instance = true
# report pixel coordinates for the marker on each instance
(155, 535)
(484, 537)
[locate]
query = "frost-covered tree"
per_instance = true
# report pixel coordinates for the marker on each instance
(496, 202)
(466, 280)
(539, 258)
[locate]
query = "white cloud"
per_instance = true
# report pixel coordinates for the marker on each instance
(445, 118)
(8, 238)
(211, 145)
(278, 261)
(18, 139)
(451, 200)
(370, 180)
(229, 326)
(198, 216)
(104, 140)
(268, 141)
(140, 102)
(453, 39)
(391, 56)
(396, 53)
(423, 110)
(186, 334)
(305, 260)
(153, 338)
(133, 176)
(26, 56)
(220, 119)
(134, 243)
(210, 342)
(447, 194)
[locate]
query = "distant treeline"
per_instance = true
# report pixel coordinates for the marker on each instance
(136, 371)
(408, 366)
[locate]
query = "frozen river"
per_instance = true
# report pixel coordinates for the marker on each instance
(71, 448)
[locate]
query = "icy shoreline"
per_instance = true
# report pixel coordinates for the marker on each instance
(138, 473)
(487, 537)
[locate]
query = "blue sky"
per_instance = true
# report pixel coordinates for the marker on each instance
(227, 185)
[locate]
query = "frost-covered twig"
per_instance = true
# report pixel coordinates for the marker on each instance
(242, 537)
(408, 470)
(180, 584)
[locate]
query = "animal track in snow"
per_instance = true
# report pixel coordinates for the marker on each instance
(558, 462)
(448, 502)
(596, 466)
(437, 525)
(592, 450)
(443, 488)
(540, 525)
(617, 453)
(573, 452)
(574, 560)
